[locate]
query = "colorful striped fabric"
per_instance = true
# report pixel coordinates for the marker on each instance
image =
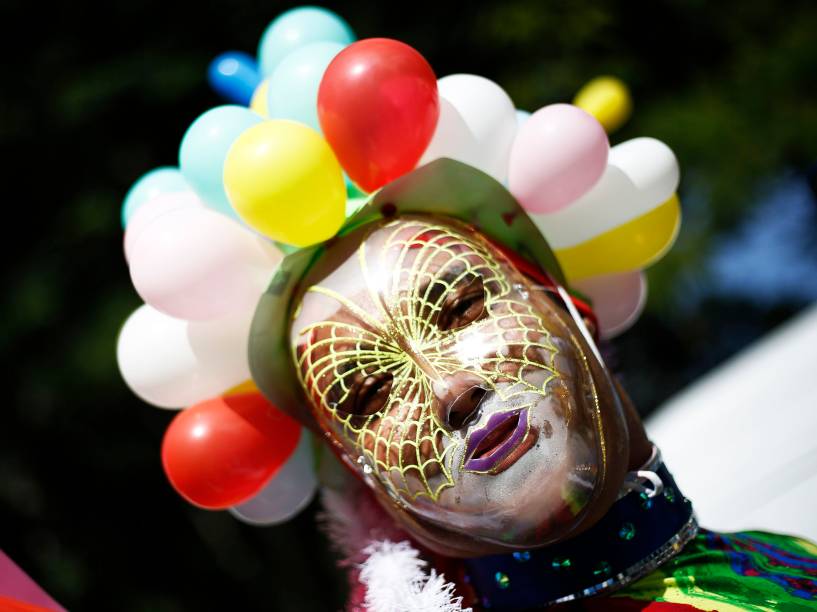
(752, 570)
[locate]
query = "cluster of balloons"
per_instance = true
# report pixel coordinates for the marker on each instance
(315, 122)
(200, 245)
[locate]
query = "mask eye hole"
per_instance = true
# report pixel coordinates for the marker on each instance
(368, 395)
(464, 305)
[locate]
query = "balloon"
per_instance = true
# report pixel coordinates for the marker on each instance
(632, 246)
(378, 108)
(234, 76)
(289, 491)
(248, 386)
(155, 208)
(352, 190)
(354, 204)
(204, 147)
(296, 28)
(293, 88)
(452, 138)
(222, 451)
(258, 103)
(618, 300)
(489, 114)
(608, 100)
(286, 249)
(171, 363)
(521, 117)
(558, 155)
(193, 263)
(641, 174)
(650, 165)
(284, 181)
(155, 182)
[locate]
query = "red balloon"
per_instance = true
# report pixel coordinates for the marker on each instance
(378, 108)
(220, 452)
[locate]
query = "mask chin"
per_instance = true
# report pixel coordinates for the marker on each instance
(562, 481)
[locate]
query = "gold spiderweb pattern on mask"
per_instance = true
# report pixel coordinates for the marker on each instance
(408, 279)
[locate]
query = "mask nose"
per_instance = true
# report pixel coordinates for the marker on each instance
(458, 395)
(463, 408)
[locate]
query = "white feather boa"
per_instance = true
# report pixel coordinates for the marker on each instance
(396, 581)
(382, 560)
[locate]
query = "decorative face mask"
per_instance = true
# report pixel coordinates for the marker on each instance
(459, 388)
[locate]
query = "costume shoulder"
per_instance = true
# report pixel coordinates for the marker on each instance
(751, 570)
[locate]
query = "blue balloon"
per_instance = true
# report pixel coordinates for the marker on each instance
(154, 183)
(296, 28)
(234, 76)
(293, 86)
(521, 117)
(204, 148)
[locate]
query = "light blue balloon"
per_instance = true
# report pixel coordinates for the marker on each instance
(204, 149)
(296, 28)
(154, 183)
(521, 117)
(293, 86)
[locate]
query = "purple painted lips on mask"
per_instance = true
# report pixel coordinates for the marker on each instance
(488, 446)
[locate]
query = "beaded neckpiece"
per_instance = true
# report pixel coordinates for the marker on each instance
(643, 529)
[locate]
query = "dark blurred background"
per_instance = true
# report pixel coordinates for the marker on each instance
(95, 95)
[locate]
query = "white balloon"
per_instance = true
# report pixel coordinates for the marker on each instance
(641, 175)
(197, 264)
(452, 138)
(650, 165)
(173, 363)
(490, 116)
(155, 208)
(618, 300)
(289, 491)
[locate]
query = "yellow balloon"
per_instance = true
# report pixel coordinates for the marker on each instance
(631, 246)
(258, 102)
(248, 386)
(283, 180)
(608, 100)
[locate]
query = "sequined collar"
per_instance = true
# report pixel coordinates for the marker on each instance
(643, 529)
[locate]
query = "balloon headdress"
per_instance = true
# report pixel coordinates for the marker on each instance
(327, 135)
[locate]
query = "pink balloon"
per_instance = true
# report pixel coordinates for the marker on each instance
(197, 264)
(618, 300)
(153, 208)
(559, 153)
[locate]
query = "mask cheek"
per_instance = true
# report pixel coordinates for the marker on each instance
(404, 448)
